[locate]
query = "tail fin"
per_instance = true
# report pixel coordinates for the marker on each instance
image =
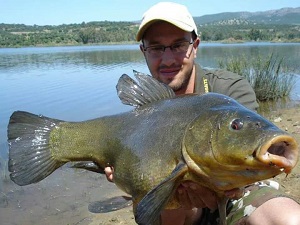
(30, 159)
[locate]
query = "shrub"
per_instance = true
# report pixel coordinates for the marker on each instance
(267, 76)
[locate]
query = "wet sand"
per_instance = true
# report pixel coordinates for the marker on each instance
(64, 196)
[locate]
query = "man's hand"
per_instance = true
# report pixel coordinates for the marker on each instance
(235, 193)
(191, 195)
(109, 172)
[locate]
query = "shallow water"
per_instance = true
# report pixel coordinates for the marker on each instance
(74, 84)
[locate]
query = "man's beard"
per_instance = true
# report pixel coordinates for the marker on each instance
(180, 82)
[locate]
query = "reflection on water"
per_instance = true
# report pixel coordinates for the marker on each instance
(100, 59)
(74, 84)
(267, 108)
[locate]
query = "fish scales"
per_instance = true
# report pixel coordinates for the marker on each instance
(210, 139)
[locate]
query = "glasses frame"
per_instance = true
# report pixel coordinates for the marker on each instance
(163, 48)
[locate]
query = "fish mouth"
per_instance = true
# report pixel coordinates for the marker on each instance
(281, 151)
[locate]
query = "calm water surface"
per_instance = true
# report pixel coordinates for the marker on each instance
(74, 84)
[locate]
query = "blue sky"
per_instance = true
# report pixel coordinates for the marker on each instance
(56, 12)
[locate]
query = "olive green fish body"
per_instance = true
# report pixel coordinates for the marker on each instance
(146, 141)
(210, 139)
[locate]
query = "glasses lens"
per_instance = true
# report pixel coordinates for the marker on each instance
(156, 50)
(180, 47)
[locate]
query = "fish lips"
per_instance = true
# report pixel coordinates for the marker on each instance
(280, 151)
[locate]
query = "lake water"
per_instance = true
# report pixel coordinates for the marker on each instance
(74, 84)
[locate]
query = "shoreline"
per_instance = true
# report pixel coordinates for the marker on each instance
(137, 43)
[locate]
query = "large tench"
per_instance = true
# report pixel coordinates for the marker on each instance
(210, 139)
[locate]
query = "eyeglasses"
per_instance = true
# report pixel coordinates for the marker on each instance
(176, 48)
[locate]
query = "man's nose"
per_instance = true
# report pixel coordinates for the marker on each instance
(168, 57)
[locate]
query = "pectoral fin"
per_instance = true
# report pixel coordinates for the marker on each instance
(149, 208)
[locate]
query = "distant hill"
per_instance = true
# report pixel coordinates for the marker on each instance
(289, 16)
(281, 25)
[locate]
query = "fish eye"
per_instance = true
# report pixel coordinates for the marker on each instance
(236, 124)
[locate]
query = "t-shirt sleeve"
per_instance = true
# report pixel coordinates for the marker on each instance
(234, 86)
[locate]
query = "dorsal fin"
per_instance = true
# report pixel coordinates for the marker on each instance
(147, 90)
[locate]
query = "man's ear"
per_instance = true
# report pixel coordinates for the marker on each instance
(142, 48)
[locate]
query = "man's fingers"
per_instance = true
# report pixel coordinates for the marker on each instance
(109, 171)
(210, 200)
(183, 198)
(235, 193)
(195, 199)
(191, 195)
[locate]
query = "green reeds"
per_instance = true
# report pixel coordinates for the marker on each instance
(4, 174)
(268, 76)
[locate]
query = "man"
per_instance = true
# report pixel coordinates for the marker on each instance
(169, 44)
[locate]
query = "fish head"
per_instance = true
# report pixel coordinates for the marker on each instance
(229, 146)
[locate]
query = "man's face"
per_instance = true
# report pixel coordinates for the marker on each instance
(171, 68)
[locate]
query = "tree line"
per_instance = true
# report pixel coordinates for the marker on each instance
(105, 32)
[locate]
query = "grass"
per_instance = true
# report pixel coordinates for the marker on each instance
(268, 76)
(4, 177)
(4, 174)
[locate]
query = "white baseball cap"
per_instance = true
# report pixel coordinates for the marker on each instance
(171, 12)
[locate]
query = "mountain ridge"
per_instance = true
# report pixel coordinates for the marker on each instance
(286, 15)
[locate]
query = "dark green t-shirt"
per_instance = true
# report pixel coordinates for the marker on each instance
(227, 83)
